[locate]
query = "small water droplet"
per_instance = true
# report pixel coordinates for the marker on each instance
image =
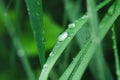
(96, 41)
(43, 32)
(28, 9)
(45, 65)
(57, 44)
(5, 14)
(38, 3)
(37, 14)
(85, 16)
(71, 25)
(76, 21)
(43, 40)
(113, 37)
(51, 54)
(63, 36)
(20, 53)
(73, 73)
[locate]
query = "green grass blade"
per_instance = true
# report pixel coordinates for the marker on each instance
(99, 67)
(57, 51)
(102, 4)
(93, 19)
(113, 18)
(68, 71)
(18, 15)
(116, 56)
(85, 56)
(60, 46)
(34, 8)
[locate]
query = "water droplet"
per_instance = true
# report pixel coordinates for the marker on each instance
(63, 36)
(51, 54)
(38, 3)
(37, 14)
(45, 65)
(20, 53)
(72, 73)
(71, 25)
(57, 44)
(113, 37)
(85, 16)
(43, 40)
(96, 41)
(28, 9)
(5, 14)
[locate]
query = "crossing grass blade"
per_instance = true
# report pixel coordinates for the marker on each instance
(80, 63)
(57, 51)
(62, 45)
(34, 8)
(93, 20)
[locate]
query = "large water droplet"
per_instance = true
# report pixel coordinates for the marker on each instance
(71, 25)
(45, 65)
(63, 36)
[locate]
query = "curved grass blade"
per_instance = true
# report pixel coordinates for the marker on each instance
(116, 56)
(83, 57)
(34, 8)
(57, 51)
(60, 46)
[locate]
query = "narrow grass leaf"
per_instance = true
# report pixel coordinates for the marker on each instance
(34, 8)
(116, 56)
(61, 44)
(84, 63)
(93, 19)
(57, 51)
(85, 57)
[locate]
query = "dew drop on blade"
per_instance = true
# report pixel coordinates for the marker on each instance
(45, 65)
(85, 16)
(71, 25)
(5, 14)
(51, 54)
(20, 53)
(38, 3)
(63, 36)
(37, 14)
